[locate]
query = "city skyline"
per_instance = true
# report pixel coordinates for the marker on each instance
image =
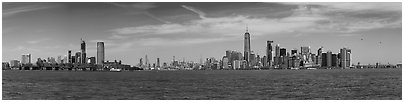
(195, 30)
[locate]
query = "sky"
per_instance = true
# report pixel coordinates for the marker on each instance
(193, 30)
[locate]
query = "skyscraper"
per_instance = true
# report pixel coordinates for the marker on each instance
(25, 59)
(319, 51)
(329, 58)
(305, 50)
(83, 51)
(282, 51)
(247, 49)
(277, 55)
(268, 61)
(78, 57)
(345, 57)
(100, 53)
(293, 51)
(158, 62)
(69, 55)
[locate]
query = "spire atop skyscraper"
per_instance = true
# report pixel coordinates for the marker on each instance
(246, 28)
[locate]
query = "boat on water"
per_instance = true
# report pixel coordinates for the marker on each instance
(114, 70)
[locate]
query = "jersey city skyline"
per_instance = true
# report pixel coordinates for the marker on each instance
(192, 31)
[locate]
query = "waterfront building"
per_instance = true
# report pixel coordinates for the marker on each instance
(100, 53)
(78, 57)
(14, 63)
(323, 59)
(69, 56)
(329, 58)
(91, 60)
(225, 62)
(268, 61)
(158, 62)
(83, 52)
(305, 51)
(320, 51)
(345, 57)
(26, 59)
(59, 59)
(277, 55)
(334, 60)
(282, 52)
(247, 47)
(293, 52)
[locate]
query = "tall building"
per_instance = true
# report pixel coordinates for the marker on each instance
(140, 62)
(78, 57)
(100, 53)
(14, 63)
(334, 60)
(69, 56)
(323, 59)
(345, 57)
(305, 50)
(25, 59)
(59, 59)
(91, 60)
(158, 62)
(293, 52)
(268, 61)
(277, 55)
(320, 51)
(83, 52)
(225, 62)
(282, 52)
(329, 58)
(247, 48)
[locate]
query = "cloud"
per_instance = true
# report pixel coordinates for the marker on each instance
(140, 9)
(304, 20)
(10, 9)
(142, 6)
(199, 12)
(36, 41)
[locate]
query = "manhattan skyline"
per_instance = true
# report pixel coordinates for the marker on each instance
(194, 30)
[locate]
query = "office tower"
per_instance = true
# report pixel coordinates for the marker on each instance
(59, 59)
(78, 57)
(91, 60)
(293, 52)
(323, 59)
(69, 56)
(252, 59)
(305, 50)
(268, 61)
(65, 59)
(334, 60)
(25, 59)
(282, 52)
(265, 61)
(140, 62)
(329, 58)
(83, 52)
(146, 61)
(100, 53)
(345, 57)
(277, 55)
(225, 62)
(14, 63)
(158, 62)
(320, 51)
(247, 49)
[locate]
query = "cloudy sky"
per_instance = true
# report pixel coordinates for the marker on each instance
(193, 30)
